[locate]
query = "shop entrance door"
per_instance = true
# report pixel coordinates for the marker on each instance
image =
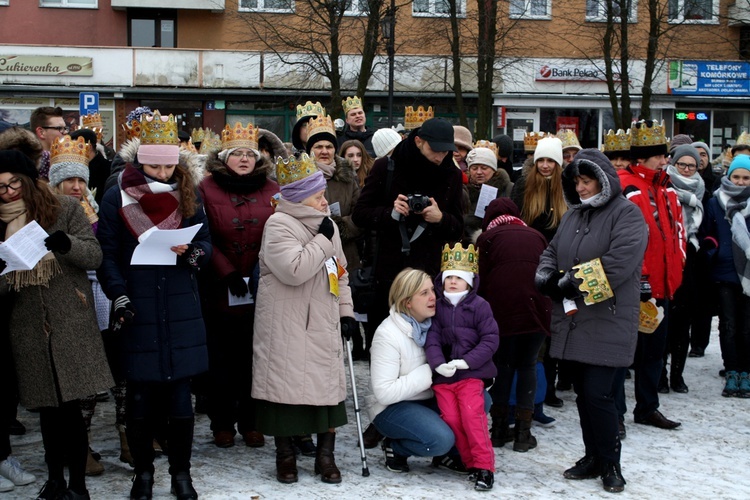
(518, 122)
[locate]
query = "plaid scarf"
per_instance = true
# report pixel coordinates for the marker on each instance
(503, 220)
(734, 200)
(148, 203)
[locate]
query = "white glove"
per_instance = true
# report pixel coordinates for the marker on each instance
(460, 364)
(446, 370)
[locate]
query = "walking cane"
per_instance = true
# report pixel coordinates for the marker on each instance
(365, 470)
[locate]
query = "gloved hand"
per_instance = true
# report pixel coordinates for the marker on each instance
(124, 312)
(551, 288)
(569, 285)
(460, 364)
(191, 257)
(58, 242)
(645, 289)
(326, 228)
(236, 284)
(708, 244)
(349, 327)
(446, 370)
(3, 265)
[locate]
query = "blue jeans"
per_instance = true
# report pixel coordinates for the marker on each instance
(415, 428)
(649, 360)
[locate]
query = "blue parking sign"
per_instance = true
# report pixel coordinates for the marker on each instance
(88, 103)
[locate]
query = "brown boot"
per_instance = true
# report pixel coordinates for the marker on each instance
(324, 462)
(499, 432)
(93, 468)
(125, 455)
(523, 441)
(286, 462)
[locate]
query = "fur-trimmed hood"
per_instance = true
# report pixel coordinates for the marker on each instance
(24, 141)
(592, 163)
(344, 171)
(194, 163)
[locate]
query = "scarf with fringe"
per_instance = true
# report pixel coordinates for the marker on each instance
(148, 203)
(690, 192)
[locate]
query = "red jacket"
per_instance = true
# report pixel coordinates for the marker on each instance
(665, 255)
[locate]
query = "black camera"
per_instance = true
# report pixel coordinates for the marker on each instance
(418, 202)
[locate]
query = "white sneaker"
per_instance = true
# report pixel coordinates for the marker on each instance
(11, 469)
(6, 485)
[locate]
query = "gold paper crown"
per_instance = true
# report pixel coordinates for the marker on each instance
(641, 135)
(486, 144)
(239, 137)
(460, 259)
(594, 284)
(414, 119)
(569, 139)
(310, 109)
(351, 103)
(744, 138)
(67, 150)
(294, 169)
(530, 139)
(132, 129)
(619, 141)
(198, 134)
(318, 125)
(157, 129)
(93, 122)
(211, 142)
(188, 146)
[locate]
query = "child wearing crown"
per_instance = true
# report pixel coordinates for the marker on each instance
(460, 344)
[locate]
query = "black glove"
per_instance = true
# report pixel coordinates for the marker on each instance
(551, 288)
(645, 289)
(569, 286)
(236, 284)
(191, 257)
(326, 228)
(124, 312)
(349, 327)
(708, 244)
(3, 265)
(58, 242)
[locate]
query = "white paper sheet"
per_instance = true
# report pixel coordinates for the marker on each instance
(25, 248)
(154, 250)
(335, 208)
(239, 301)
(486, 195)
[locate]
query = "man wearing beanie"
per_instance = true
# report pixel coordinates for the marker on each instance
(647, 184)
(422, 167)
(505, 154)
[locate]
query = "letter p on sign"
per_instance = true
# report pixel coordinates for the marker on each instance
(88, 103)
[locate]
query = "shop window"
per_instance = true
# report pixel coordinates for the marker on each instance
(693, 11)
(605, 10)
(437, 8)
(152, 28)
(266, 5)
(357, 8)
(530, 9)
(4, 2)
(745, 42)
(85, 4)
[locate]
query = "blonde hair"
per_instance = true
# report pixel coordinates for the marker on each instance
(540, 193)
(404, 287)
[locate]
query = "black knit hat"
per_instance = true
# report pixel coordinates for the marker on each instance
(504, 145)
(17, 163)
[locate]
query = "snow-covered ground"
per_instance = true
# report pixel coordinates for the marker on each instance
(707, 458)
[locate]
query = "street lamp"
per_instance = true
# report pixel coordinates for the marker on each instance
(388, 27)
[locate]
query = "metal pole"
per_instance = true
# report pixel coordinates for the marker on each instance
(363, 456)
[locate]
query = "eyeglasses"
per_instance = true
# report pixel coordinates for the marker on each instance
(14, 184)
(685, 166)
(240, 154)
(61, 129)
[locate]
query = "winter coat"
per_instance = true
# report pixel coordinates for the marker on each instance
(363, 137)
(298, 353)
(412, 174)
(612, 229)
(716, 225)
(665, 253)
(465, 331)
(472, 223)
(398, 366)
(167, 339)
(508, 258)
(57, 345)
(343, 188)
(99, 170)
(237, 209)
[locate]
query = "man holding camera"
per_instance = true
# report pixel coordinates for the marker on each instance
(414, 211)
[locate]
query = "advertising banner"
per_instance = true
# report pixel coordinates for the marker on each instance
(45, 65)
(720, 78)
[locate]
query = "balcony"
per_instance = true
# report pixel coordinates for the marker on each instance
(738, 13)
(212, 5)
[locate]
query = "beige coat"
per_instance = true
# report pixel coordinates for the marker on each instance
(298, 355)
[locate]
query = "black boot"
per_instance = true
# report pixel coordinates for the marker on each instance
(324, 462)
(500, 432)
(143, 485)
(523, 440)
(180, 439)
(286, 462)
(588, 467)
(140, 441)
(612, 479)
(663, 386)
(678, 366)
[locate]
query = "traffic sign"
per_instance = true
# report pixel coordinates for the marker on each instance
(88, 103)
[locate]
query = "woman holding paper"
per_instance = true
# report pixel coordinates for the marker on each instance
(56, 344)
(600, 337)
(156, 307)
(237, 196)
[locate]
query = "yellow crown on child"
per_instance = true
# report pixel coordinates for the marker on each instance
(239, 136)
(294, 169)
(482, 143)
(159, 130)
(569, 139)
(320, 124)
(211, 142)
(310, 109)
(460, 259)
(616, 141)
(530, 140)
(351, 103)
(641, 134)
(67, 150)
(415, 118)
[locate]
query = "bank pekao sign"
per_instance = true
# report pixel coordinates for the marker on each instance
(45, 65)
(570, 73)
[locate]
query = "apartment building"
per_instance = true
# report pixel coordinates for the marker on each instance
(208, 62)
